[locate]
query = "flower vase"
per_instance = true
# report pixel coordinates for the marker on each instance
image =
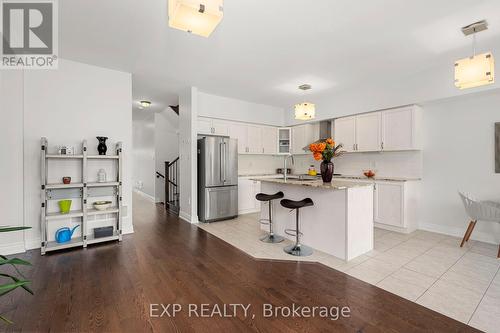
(101, 147)
(327, 171)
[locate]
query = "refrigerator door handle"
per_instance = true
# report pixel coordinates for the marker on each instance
(225, 160)
(221, 160)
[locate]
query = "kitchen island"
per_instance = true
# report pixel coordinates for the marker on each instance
(341, 221)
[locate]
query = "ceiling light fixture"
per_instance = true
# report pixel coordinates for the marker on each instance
(477, 70)
(195, 17)
(305, 110)
(145, 104)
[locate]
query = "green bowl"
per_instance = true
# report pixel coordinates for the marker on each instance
(64, 206)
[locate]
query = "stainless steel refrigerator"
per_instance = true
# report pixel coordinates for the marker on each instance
(217, 178)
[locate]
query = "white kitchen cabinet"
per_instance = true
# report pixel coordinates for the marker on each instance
(395, 205)
(269, 140)
(220, 127)
(388, 205)
(239, 131)
(254, 139)
(298, 139)
(302, 136)
(400, 128)
(284, 140)
(204, 126)
(247, 190)
(213, 126)
(345, 133)
(394, 129)
(368, 132)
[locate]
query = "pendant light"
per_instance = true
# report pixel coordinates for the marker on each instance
(199, 17)
(477, 70)
(305, 110)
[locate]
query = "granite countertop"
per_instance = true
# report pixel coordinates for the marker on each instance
(343, 177)
(314, 183)
(260, 175)
(395, 179)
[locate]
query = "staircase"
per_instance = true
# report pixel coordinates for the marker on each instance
(172, 186)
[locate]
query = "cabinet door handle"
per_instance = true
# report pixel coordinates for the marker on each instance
(382, 146)
(353, 146)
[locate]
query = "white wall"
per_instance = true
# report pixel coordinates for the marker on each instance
(188, 113)
(238, 110)
(11, 165)
(166, 145)
(143, 160)
(67, 105)
(459, 154)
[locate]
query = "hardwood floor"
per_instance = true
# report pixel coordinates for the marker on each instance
(109, 288)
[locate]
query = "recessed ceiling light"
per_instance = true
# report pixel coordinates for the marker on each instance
(145, 104)
(194, 16)
(477, 70)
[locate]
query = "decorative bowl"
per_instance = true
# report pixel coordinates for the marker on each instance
(369, 173)
(102, 205)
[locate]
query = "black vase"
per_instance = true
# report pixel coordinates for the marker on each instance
(101, 147)
(327, 171)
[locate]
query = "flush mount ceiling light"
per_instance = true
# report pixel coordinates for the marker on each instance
(306, 110)
(199, 17)
(477, 70)
(145, 104)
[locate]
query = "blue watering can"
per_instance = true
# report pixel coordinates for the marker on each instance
(64, 234)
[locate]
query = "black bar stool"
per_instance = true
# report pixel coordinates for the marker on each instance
(297, 249)
(271, 237)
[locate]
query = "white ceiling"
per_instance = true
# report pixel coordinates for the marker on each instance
(262, 49)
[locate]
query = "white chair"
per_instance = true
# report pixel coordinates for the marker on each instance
(479, 210)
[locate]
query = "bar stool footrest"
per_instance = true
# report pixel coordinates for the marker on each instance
(292, 232)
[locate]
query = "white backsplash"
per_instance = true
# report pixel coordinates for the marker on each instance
(258, 164)
(385, 164)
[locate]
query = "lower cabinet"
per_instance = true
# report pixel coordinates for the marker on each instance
(247, 189)
(395, 205)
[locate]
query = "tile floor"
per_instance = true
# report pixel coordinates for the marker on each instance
(424, 267)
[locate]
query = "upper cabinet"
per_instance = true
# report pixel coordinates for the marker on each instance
(269, 139)
(302, 136)
(368, 133)
(254, 139)
(401, 128)
(345, 133)
(213, 126)
(239, 131)
(284, 140)
(389, 130)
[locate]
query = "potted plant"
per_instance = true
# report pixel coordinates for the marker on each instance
(325, 151)
(10, 282)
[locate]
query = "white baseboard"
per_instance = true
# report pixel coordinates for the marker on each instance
(248, 211)
(185, 216)
(459, 232)
(12, 248)
(147, 196)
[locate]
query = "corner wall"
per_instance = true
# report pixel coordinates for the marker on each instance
(11, 165)
(75, 102)
(459, 154)
(188, 174)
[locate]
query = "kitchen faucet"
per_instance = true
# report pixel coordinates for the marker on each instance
(284, 165)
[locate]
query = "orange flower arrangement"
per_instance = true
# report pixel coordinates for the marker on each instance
(325, 150)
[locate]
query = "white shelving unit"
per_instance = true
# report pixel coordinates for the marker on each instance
(82, 191)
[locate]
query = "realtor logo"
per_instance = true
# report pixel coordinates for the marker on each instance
(29, 34)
